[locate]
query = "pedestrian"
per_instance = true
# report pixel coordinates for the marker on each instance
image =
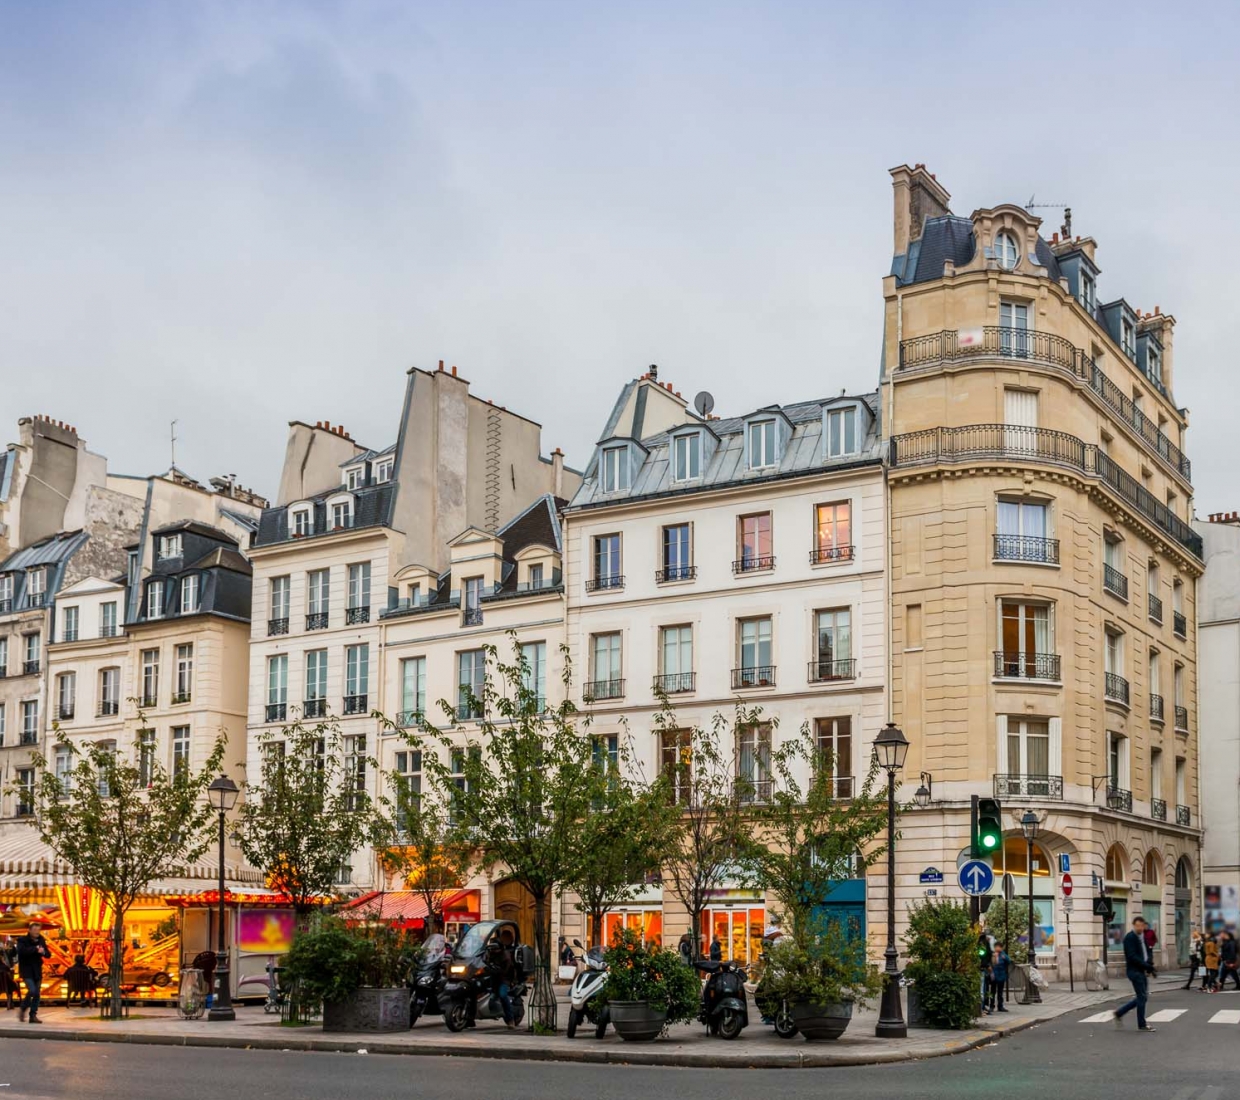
(32, 949)
(1139, 966)
(1195, 959)
(8, 982)
(1228, 962)
(685, 947)
(985, 955)
(716, 949)
(1210, 953)
(1151, 939)
(567, 958)
(999, 964)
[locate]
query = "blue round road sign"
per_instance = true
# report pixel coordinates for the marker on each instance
(976, 877)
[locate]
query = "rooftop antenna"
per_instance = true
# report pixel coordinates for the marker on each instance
(704, 402)
(1065, 230)
(172, 434)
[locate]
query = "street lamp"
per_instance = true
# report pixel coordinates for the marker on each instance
(1029, 826)
(890, 749)
(223, 797)
(923, 795)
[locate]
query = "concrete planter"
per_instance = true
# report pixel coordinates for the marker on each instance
(819, 1022)
(369, 1010)
(636, 1021)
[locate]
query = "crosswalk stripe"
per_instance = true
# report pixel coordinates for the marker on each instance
(1166, 1015)
(1226, 1016)
(1100, 1018)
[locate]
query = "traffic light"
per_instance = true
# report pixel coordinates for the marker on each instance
(987, 828)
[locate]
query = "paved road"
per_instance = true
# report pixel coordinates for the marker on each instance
(1189, 1058)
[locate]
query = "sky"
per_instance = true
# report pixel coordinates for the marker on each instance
(236, 214)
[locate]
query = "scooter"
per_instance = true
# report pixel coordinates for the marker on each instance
(725, 1011)
(424, 992)
(469, 990)
(775, 1011)
(584, 993)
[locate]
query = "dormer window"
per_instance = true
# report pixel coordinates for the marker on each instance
(841, 432)
(155, 600)
(1089, 292)
(383, 471)
(191, 594)
(763, 444)
(340, 513)
(687, 457)
(354, 477)
(1154, 362)
(615, 469)
(6, 592)
(169, 546)
(36, 584)
(1006, 251)
(132, 568)
(302, 522)
(1128, 337)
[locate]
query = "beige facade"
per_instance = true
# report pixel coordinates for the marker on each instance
(1042, 569)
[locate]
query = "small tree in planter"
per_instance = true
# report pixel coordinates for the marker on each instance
(944, 966)
(648, 988)
(1008, 922)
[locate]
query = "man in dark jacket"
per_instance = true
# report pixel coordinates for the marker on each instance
(1228, 961)
(32, 949)
(1139, 965)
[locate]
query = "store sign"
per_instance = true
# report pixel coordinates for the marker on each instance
(265, 931)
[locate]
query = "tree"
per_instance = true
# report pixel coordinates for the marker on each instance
(1008, 922)
(306, 814)
(121, 825)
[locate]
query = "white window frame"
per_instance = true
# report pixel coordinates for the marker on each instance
(608, 644)
(762, 441)
(150, 677)
(277, 680)
(155, 600)
(318, 591)
(33, 648)
(191, 586)
(301, 521)
(338, 509)
(280, 596)
(1089, 291)
(1128, 337)
(687, 456)
(359, 585)
(1113, 652)
(316, 675)
(357, 669)
(354, 478)
(36, 581)
(170, 546)
(6, 587)
(71, 624)
(383, 470)
(535, 675)
(840, 422)
(185, 668)
(614, 469)
(755, 633)
(1007, 250)
(181, 749)
(413, 687)
(676, 650)
(1153, 360)
(110, 687)
(66, 691)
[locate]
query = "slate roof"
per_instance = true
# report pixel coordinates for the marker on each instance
(197, 528)
(53, 553)
(372, 507)
(950, 237)
(538, 525)
(225, 559)
(368, 456)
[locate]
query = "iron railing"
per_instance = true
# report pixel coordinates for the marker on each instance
(823, 671)
(1183, 815)
(355, 704)
(277, 626)
(1119, 799)
(471, 616)
(1179, 624)
(1026, 548)
(670, 683)
(1156, 708)
(1116, 687)
(36, 599)
(1155, 607)
(1181, 718)
(65, 712)
(277, 712)
(753, 676)
(109, 708)
(469, 712)
(360, 614)
(752, 790)
(1114, 581)
(606, 583)
(841, 786)
(1151, 435)
(756, 564)
(316, 620)
(1009, 441)
(314, 708)
(30, 668)
(824, 554)
(30, 737)
(181, 697)
(1027, 666)
(150, 701)
(1158, 809)
(1019, 785)
(409, 718)
(108, 632)
(595, 690)
(6, 606)
(675, 573)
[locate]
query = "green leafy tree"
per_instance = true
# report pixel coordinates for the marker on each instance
(1008, 922)
(120, 824)
(944, 965)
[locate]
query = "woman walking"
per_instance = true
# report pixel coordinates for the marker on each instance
(1210, 953)
(1194, 958)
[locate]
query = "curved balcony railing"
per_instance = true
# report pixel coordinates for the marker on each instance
(974, 442)
(1119, 799)
(1155, 608)
(1156, 708)
(1116, 688)
(1027, 666)
(1158, 809)
(1114, 581)
(1181, 719)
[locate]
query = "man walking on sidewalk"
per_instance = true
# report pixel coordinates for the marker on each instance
(1139, 966)
(32, 949)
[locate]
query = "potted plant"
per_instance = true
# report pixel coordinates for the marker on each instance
(821, 979)
(944, 966)
(647, 988)
(358, 973)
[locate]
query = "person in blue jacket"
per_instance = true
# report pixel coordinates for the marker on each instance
(999, 963)
(1140, 966)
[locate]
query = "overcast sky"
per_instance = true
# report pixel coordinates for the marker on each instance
(237, 214)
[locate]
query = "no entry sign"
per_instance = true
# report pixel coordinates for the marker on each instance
(1067, 886)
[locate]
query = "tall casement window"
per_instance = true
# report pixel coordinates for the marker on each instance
(318, 593)
(1089, 292)
(608, 572)
(753, 762)
(6, 592)
(358, 610)
(66, 695)
(1116, 685)
(180, 752)
(36, 586)
(763, 444)
(1029, 746)
(1181, 698)
(1020, 414)
(1006, 250)
(191, 594)
(686, 457)
(1022, 530)
(676, 762)
(614, 463)
(1156, 778)
(25, 792)
(534, 677)
(146, 757)
(1128, 338)
(471, 681)
(155, 600)
(277, 687)
(412, 690)
(834, 743)
(1156, 699)
(69, 624)
(677, 554)
(342, 514)
(356, 678)
(107, 619)
(1154, 361)
(1181, 783)
(407, 780)
(316, 683)
(833, 645)
(1029, 752)
(150, 677)
(185, 673)
(754, 545)
(3, 723)
(355, 771)
(1117, 763)
(109, 692)
(473, 601)
(1014, 329)
(1153, 583)
(535, 576)
(833, 532)
(30, 722)
(303, 522)
(608, 674)
(676, 658)
(281, 588)
(4, 656)
(64, 770)
(1114, 577)
(754, 654)
(1027, 644)
(34, 653)
(841, 432)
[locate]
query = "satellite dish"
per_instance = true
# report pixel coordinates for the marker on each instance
(703, 403)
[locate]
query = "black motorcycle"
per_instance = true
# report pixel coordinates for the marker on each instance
(469, 989)
(725, 1012)
(426, 980)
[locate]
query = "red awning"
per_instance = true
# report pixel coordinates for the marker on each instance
(407, 906)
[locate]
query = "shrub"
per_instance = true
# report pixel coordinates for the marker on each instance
(829, 969)
(657, 976)
(948, 1000)
(942, 947)
(333, 961)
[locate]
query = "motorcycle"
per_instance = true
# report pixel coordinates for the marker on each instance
(724, 1011)
(469, 990)
(774, 1011)
(424, 991)
(585, 993)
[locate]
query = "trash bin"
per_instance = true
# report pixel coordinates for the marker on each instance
(192, 1001)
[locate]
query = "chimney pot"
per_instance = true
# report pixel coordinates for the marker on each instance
(453, 370)
(441, 364)
(1157, 310)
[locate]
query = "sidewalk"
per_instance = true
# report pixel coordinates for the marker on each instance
(687, 1045)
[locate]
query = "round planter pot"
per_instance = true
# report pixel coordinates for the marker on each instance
(817, 1022)
(369, 1010)
(636, 1021)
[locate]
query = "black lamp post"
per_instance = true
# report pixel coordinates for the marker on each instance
(891, 747)
(1029, 826)
(925, 793)
(223, 795)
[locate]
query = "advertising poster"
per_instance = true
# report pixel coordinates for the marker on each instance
(1222, 909)
(265, 931)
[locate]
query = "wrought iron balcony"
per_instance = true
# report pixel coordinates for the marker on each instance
(355, 704)
(1183, 815)
(672, 683)
(468, 712)
(316, 620)
(277, 626)
(1027, 666)
(314, 708)
(409, 718)
(277, 712)
(1114, 581)
(824, 554)
(149, 701)
(70, 636)
(1179, 624)
(1026, 548)
(1119, 799)
(359, 614)
(109, 708)
(30, 737)
(36, 599)
(108, 631)
(675, 573)
(6, 606)
(1156, 708)
(1181, 719)
(841, 786)
(1017, 785)
(752, 790)
(181, 697)
(609, 583)
(753, 676)
(471, 616)
(1158, 809)
(30, 668)
(1155, 605)
(65, 712)
(1116, 688)
(594, 691)
(756, 564)
(825, 671)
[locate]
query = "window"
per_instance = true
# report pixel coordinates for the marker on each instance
(353, 478)
(6, 592)
(833, 529)
(191, 588)
(1020, 410)
(342, 514)
(534, 678)
(473, 600)
(1177, 596)
(754, 645)
(471, 681)
(1014, 329)
(4, 656)
(356, 676)
(150, 677)
(30, 722)
(615, 465)
(34, 645)
(1022, 529)
(1156, 700)
(833, 645)
(359, 587)
(36, 585)
(277, 685)
(131, 567)
(607, 667)
(1154, 360)
(316, 676)
(318, 585)
(1089, 291)
(64, 770)
(1156, 766)
(686, 457)
(107, 619)
(1113, 553)
(355, 771)
(1181, 782)
(458, 775)
(169, 546)
(1114, 656)
(753, 762)
(841, 432)
(25, 792)
(66, 693)
(155, 600)
(69, 625)
(185, 673)
(754, 543)
(1154, 590)
(109, 692)
(281, 588)
(606, 754)
(1029, 751)
(834, 737)
(677, 556)
(1027, 647)
(1116, 869)
(1117, 761)
(536, 576)
(303, 522)
(414, 594)
(3, 722)
(1006, 250)
(407, 781)
(180, 752)
(1177, 684)
(762, 444)
(607, 571)
(146, 758)
(412, 690)
(676, 763)
(1128, 338)
(383, 471)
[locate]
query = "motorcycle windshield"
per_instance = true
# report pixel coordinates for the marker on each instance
(434, 949)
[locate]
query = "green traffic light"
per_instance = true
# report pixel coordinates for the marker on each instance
(989, 840)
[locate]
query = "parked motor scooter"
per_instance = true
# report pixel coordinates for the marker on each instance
(424, 994)
(469, 990)
(585, 994)
(725, 1011)
(774, 1010)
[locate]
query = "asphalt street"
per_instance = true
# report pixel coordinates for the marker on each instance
(1195, 1056)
